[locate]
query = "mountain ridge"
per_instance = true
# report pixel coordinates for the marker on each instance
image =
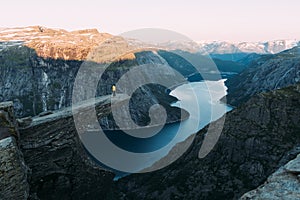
(54, 43)
(267, 73)
(39, 38)
(268, 47)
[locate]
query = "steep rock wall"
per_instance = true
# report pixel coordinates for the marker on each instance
(13, 171)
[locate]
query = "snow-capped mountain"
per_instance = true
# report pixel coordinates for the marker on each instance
(225, 47)
(270, 47)
(39, 38)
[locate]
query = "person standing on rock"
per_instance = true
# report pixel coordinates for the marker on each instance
(113, 88)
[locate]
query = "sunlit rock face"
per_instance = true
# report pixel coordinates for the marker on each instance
(54, 43)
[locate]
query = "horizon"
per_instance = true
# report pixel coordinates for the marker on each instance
(214, 20)
(199, 41)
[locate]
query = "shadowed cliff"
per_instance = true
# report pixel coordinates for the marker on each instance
(257, 138)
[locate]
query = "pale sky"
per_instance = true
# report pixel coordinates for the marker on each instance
(232, 20)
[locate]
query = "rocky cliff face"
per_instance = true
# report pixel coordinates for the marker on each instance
(38, 73)
(283, 184)
(13, 171)
(35, 84)
(268, 73)
(257, 138)
(60, 167)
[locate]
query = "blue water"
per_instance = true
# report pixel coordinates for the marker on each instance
(200, 99)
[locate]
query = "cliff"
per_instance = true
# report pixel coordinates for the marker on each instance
(257, 138)
(13, 171)
(268, 73)
(60, 167)
(36, 84)
(283, 184)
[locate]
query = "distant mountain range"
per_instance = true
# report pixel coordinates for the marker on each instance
(38, 69)
(269, 47)
(225, 47)
(38, 37)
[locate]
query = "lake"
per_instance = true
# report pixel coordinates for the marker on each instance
(126, 153)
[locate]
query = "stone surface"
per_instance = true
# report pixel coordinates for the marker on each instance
(293, 167)
(60, 166)
(24, 122)
(8, 124)
(13, 171)
(283, 184)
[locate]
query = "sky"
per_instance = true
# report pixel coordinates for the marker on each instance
(230, 20)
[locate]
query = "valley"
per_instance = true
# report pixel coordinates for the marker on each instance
(246, 94)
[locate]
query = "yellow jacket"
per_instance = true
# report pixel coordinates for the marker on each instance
(113, 88)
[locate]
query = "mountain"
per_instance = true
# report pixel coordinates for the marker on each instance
(54, 43)
(248, 59)
(257, 138)
(197, 67)
(270, 47)
(39, 67)
(43, 157)
(39, 64)
(267, 73)
(230, 51)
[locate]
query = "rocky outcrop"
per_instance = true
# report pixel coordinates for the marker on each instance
(39, 65)
(257, 138)
(59, 163)
(13, 171)
(268, 73)
(36, 84)
(283, 184)
(57, 159)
